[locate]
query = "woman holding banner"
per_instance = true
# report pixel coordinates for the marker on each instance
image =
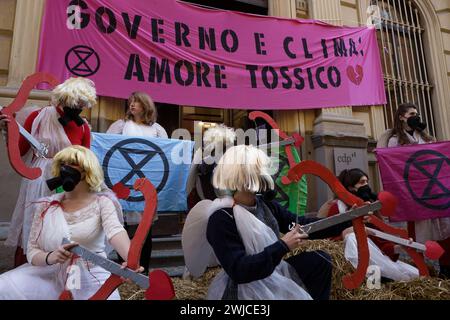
(140, 121)
(409, 129)
(57, 126)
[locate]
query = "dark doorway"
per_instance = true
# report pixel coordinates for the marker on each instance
(247, 6)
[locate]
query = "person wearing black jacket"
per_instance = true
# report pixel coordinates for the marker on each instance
(227, 234)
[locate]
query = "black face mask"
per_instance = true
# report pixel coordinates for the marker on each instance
(68, 179)
(366, 194)
(71, 114)
(416, 123)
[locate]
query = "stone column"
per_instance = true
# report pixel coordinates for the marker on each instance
(282, 8)
(23, 55)
(335, 129)
(24, 51)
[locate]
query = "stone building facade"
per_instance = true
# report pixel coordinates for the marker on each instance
(414, 41)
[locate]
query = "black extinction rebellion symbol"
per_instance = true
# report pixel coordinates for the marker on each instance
(82, 61)
(148, 150)
(430, 188)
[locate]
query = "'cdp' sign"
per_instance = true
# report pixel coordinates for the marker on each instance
(349, 158)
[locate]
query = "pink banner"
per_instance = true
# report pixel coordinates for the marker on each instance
(187, 55)
(419, 176)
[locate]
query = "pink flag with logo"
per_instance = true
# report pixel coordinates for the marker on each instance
(419, 176)
(184, 54)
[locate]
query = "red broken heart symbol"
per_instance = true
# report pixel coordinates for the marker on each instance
(355, 77)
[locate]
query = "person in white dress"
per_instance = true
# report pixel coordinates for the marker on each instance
(140, 121)
(85, 215)
(57, 126)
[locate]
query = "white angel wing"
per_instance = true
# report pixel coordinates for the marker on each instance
(198, 254)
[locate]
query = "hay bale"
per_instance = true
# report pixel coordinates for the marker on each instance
(195, 289)
(184, 289)
(131, 291)
(341, 266)
(417, 289)
(422, 289)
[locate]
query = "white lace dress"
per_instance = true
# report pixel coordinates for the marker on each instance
(88, 227)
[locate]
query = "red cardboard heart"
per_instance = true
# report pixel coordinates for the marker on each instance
(161, 286)
(121, 191)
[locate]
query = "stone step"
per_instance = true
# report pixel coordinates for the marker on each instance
(167, 258)
(167, 224)
(4, 227)
(176, 271)
(172, 253)
(6, 257)
(161, 258)
(166, 243)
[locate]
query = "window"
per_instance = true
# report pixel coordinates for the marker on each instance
(400, 37)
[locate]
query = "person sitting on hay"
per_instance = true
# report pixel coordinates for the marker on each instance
(86, 213)
(242, 232)
(383, 253)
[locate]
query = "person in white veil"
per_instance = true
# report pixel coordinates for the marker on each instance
(57, 126)
(243, 233)
(86, 214)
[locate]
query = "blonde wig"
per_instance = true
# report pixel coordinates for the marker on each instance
(243, 168)
(219, 134)
(217, 139)
(83, 158)
(75, 93)
(150, 113)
